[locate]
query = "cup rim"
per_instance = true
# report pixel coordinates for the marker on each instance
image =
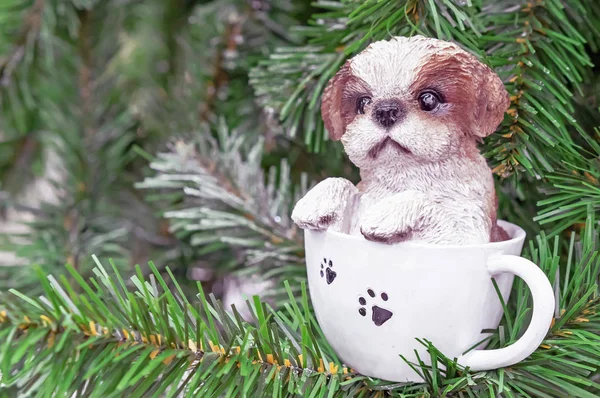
(516, 233)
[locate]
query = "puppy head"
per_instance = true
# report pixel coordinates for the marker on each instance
(414, 98)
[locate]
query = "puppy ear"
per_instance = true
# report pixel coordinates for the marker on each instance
(491, 100)
(476, 92)
(331, 104)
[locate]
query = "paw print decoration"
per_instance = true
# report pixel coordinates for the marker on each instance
(327, 272)
(379, 315)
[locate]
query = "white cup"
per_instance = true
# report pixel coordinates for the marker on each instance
(373, 300)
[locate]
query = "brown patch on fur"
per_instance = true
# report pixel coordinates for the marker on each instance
(475, 97)
(498, 234)
(338, 106)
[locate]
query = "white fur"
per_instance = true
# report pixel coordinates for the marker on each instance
(441, 192)
(323, 206)
(447, 202)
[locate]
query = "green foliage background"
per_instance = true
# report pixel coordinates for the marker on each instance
(183, 132)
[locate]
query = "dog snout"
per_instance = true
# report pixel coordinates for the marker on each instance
(388, 113)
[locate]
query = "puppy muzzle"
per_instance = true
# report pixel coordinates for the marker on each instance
(387, 113)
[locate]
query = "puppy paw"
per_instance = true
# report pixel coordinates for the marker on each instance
(385, 232)
(387, 237)
(393, 219)
(323, 205)
(307, 217)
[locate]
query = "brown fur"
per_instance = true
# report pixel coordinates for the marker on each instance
(476, 93)
(338, 106)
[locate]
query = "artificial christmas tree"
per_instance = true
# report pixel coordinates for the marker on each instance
(183, 132)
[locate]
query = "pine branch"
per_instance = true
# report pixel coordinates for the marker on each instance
(154, 340)
(540, 55)
(193, 85)
(109, 339)
(90, 134)
(229, 45)
(19, 146)
(586, 14)
(29, 32)
(573, 193)
(218, 198)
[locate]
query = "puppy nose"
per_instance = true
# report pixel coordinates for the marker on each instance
(388, 113)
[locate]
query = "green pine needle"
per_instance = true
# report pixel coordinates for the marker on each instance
(108, 340)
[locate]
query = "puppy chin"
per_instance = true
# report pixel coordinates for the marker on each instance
(391, 158)
(388, 156)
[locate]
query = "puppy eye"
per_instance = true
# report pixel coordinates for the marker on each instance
(429, 100)
(361, 103)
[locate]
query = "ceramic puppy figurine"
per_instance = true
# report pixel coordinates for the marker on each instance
(409, 113)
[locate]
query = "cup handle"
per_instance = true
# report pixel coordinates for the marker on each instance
(543, 312)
